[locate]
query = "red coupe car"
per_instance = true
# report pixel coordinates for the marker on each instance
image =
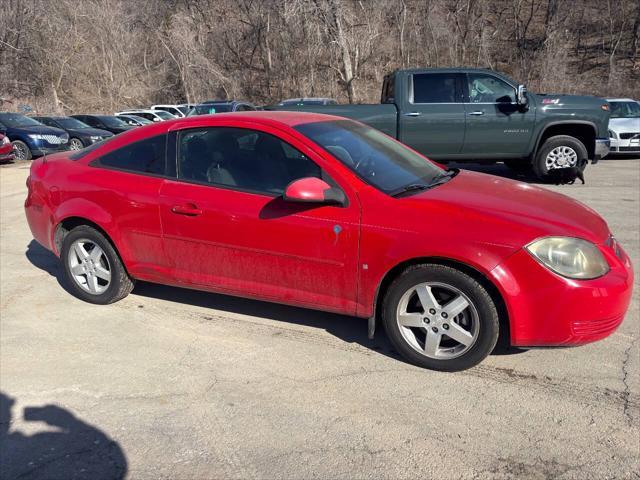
(6, 149)
(327, 213)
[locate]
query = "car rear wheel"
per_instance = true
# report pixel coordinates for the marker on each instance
(561, 151)
(440, 318)
(75, 144)
(21, 150)
(92, 268)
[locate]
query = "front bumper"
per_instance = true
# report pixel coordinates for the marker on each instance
(625, 145)
(546, 309)
(40, 150)
(5, 157)
(602, 149)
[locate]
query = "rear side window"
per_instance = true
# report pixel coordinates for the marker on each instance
(434, 88)
(388, 89)
(146, 156)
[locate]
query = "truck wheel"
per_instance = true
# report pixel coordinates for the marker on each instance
(561, 151)
(440, 318)
(21, 150)
(92, 268)
(520, 165)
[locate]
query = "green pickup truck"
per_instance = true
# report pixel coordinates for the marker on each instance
(478, 115)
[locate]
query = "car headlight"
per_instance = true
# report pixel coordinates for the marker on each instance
(36, 136)
(96, 138)
(570, 257)
(612, 134)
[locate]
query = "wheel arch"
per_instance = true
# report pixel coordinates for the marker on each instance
(67, 224)
(582, 130)
(504, 338)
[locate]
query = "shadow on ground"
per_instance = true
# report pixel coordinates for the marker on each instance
(68, 449)
(348, 329)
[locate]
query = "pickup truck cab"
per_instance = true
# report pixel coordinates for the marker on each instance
(479, 115)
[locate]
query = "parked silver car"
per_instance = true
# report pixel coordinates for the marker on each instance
(624, 125)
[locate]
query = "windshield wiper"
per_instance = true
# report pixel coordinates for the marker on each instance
(409, 188)
(444, 177)
(435, 181)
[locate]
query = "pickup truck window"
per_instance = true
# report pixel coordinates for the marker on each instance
(489, 89)
(373, 156)
(434, 88)
(388, 89)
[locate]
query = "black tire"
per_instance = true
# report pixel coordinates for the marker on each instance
(539, 165)
(487, 316)
(520, 165)
(21, 150)
(75, 141)
(120, 284)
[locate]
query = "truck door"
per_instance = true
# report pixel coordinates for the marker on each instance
(431, 119)
(496, 125)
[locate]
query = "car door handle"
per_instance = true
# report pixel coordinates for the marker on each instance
(412, 114)
(189, 210)
(475, 113)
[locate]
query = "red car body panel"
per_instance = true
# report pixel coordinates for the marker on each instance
(331, 257)
(6, 149)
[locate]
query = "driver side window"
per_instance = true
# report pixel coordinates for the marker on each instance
(489, 89)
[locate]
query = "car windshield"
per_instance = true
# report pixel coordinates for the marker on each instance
(208, 108)
(373, 156)
(184, 109)
(17, 120)
(625, 109)
(68, 122)
(112, 121)
(164, 115)
(136, 118)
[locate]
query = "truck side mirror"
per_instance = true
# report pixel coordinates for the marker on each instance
(521, 96)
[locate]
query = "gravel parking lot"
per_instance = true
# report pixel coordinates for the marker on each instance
(173, 383)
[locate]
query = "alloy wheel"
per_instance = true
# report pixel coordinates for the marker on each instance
(561, 157)
(89, 266)
(20, 151)
(437, 320)
(75, 144)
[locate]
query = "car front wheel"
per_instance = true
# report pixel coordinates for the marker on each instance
(440, 318)
(75, 144)
(92, 268)
(21, 150)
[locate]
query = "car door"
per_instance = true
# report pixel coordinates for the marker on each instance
(496, 124)
(227, 227)
(432, 118)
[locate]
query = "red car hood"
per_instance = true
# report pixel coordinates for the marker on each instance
(508, 212)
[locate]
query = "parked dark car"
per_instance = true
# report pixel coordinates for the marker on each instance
(467, 114)
(104, 122)
(80, 134)
(6, 149)
(134, 120)
(31, 138)
(220, 106)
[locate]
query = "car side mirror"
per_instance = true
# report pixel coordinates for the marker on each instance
(521, 96)
(313, 190)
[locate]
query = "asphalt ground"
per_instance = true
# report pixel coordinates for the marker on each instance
(173, 383)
